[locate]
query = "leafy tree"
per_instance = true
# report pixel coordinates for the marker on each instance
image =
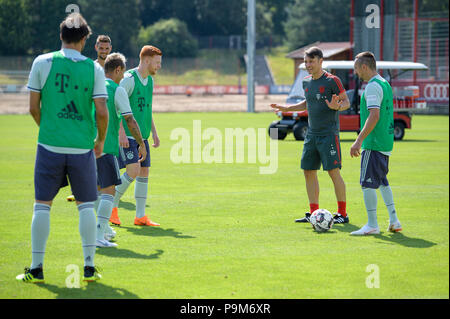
(279, 13)
(171, 36)
(45, 16)
(310, 21)
(15, 29)
(116, 18)
(203, 17)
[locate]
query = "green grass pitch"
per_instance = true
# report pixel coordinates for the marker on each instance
(228, 232)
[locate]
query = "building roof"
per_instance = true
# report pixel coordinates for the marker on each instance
(329, 49)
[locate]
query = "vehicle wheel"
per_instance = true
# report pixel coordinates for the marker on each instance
(300, 130)
(281, 133)
(399, 130)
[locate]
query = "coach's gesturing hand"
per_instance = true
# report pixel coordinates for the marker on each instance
(335, 103)
(295, 107)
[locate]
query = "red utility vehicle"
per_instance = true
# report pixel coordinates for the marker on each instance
(406, 101)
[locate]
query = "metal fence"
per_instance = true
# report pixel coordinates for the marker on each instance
(431, 48)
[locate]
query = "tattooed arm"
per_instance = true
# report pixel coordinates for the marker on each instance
(136, 133)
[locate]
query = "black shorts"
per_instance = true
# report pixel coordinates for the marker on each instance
(321, 150)
(108, 172)
(52, 170)
(374, 168)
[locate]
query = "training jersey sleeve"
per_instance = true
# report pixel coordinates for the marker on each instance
(128, 83)
(336, 85)
(39, 72)
(99, 83)
(122, 101)
(373, 94)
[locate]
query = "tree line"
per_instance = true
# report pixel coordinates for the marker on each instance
(30, 27)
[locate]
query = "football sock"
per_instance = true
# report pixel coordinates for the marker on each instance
(87, 228)
(342, 208)
(313, 207)
(140, 194)
(388, 198)
(97, 201)
(370, 200)
(103, 214)
(40, 229)
(122, 188)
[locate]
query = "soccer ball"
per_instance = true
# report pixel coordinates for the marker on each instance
(321, 220)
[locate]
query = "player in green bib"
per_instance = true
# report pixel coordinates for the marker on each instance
(138, 83)
(108, 173)
(376, 139)
(65, 90)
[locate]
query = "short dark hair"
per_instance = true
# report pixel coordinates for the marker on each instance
(113, 61)
(74, 28)
(367, 58)
(314, 52)
(103, 38)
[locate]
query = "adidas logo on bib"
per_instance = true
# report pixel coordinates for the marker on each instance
(70, 112)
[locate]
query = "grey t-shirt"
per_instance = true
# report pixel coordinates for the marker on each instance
(322, 120)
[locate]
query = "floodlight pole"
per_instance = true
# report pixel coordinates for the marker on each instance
(250, 55)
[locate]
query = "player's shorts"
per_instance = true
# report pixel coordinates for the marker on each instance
(130, 155)
(374, 168)
(54, 170)
(108, 172)
(321, 150)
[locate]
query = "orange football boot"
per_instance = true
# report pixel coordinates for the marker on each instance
(114, 219)
(144, 221)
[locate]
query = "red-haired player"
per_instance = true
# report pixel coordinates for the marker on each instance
(138, 83)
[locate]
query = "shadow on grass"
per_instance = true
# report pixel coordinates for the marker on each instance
(126, 253)
(93, 290)
(396, 238)
(156, 232)
(399, 238)
(128, 205)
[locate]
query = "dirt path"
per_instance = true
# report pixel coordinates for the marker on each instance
(18, 103)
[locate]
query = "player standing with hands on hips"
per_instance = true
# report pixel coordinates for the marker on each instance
(63, 85)
(325, 97)
(376, 139)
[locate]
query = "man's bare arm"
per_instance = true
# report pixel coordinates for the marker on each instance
(101, 117)
(295, 107)
(135, 131)
(370, 124)
(35, 106)
(133, 126)
(156, 141)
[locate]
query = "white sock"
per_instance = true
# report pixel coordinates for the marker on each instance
(87, 229)
(103, 214)
(40, 229)
(97, 201)
(388, 198)
(140, 194)
(122, 188)
(370, 200)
